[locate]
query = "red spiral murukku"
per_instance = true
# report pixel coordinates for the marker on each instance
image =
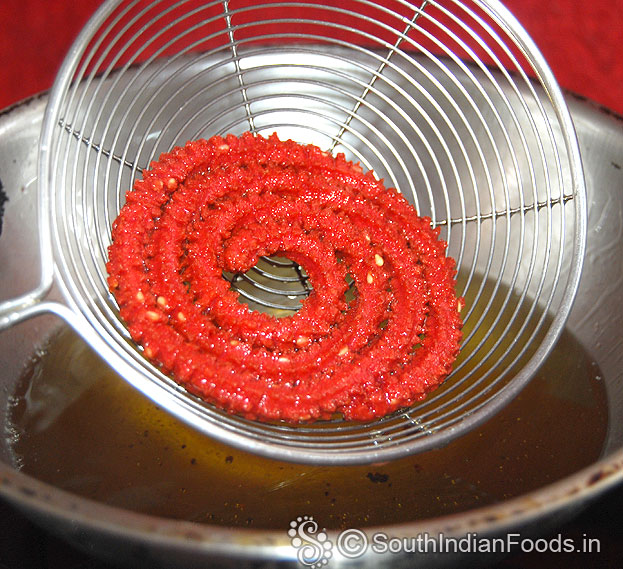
(218, 205)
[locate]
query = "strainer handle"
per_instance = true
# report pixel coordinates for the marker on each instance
(29, 305)
(18, 309)
(35, 302)
(22, 202)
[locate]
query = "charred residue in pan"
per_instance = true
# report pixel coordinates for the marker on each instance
(3, 199)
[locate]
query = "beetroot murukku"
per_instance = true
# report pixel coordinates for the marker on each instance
(216, 206)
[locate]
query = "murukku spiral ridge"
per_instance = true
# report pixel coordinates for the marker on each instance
(218, 205)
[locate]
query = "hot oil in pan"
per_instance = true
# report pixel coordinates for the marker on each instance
(81, 428)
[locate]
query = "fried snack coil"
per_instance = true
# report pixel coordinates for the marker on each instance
(218, 205)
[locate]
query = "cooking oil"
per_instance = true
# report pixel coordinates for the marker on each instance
(80, 427)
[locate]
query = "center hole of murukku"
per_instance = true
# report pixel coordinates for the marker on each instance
(276, 285)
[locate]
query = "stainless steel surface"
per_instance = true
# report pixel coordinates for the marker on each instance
(450, 102)
(131, 538)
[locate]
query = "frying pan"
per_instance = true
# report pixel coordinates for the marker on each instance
(450, 103)
(135, 538)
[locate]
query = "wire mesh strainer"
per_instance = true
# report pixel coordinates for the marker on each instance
(448, 101)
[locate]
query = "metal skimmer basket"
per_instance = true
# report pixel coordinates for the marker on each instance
(448, 101)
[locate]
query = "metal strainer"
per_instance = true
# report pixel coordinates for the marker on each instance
(448, 101)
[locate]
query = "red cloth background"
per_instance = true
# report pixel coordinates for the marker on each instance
(582, 41)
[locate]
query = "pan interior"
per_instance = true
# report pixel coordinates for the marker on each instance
(121, 449)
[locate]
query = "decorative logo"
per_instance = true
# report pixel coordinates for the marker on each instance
(314, 547)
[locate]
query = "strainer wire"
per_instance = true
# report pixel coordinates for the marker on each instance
(91, 96)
